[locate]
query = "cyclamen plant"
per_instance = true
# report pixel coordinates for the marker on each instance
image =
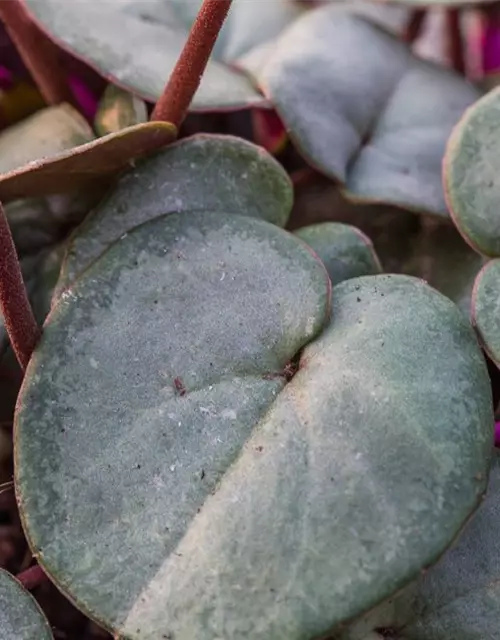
(254, 396)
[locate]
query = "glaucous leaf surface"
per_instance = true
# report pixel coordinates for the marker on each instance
(486, 308)
(471, 175)
(172, 482)
(459, 598)
(363, 110)
(46, 133)
(117, 110)
(345, 251)
(20, 616)
(105, 34)
(440, 256)
(86, 164)
(202, 173)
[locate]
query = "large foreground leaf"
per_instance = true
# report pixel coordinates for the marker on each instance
(20, 616)
(363, 109)
(174, 485)
(203, 173)
(471, 175)
(136, 44)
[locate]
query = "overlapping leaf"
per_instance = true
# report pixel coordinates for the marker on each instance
(486, 308)
(471, 175)
(54, 152)
(175, 485)
(117, 110)
(136, 44)
(460, 597)
(345, 251)
(363, 109)
(20, 616)
(203, 173)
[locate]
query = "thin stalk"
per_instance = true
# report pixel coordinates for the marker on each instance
(18, 316)
(415, 24)
(455, 40)
(39, 54)
(32, 577)
(186, 76)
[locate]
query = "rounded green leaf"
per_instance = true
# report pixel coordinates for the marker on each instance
(203, 173)
(118, 110)
(172, 483)
(486, 308)
(363, 110)
(471, 175)
(87, 164)
(460, 597)
(345, 251)
(20, 616)
(136, 44)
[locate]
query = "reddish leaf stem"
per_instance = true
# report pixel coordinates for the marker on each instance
(186, 76)
(18, 316)
(35, 575)
(415, 24)
(455, 40)
(39, 54)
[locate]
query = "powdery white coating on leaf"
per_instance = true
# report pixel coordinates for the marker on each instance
(20, 616)
(361, 473)
(105, 34)
(204, 173)
(345, 251)
(363, 109)
(460, 597)
(151, 373)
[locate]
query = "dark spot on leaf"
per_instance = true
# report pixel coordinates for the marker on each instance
(259, 448)
(358, 299)
(138, 466)
(179, 386)
(202, 474)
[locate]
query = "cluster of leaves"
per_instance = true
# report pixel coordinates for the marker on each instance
(260, 406)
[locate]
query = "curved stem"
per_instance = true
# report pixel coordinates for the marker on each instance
(38, 53)
(18, 316)
(186, 76)
(34, 576)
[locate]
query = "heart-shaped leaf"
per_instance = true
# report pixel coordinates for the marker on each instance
(203, 173)
(471, 169)
(85, 165)
(364, 110)
(20, 616)
(460, 597)
(445, 261)
(173, 484)
(486, 308)
(105, 34)
(345, 251)
(118, 110)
